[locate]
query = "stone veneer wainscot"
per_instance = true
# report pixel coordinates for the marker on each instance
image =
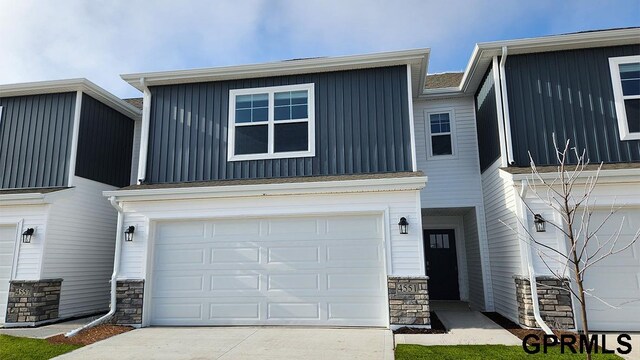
(554, 299)
(408, 301)
(33, 302)
(129, 300)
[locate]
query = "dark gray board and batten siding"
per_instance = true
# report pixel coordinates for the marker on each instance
(487, 122)
(35, 140)
(569, 94)
(105, 144)
(361, 120)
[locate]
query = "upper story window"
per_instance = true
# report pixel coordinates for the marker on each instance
(440, 134)
(271, 122)
(625, 77)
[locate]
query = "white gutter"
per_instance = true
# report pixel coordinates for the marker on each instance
(74, 138)
(144, 135)
(505, 106)
(504, 161)
(114, 275)
(529, 263)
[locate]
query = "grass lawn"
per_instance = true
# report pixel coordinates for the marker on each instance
(481, 352)
(18, 348)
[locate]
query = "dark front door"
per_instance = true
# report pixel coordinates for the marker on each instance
(441, 264)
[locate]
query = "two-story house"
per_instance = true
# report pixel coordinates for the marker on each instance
(62, 143)
(583, 87)
(276, 194)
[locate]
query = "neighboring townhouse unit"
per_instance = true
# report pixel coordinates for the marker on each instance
(62, 143)
(276, 194)
(584, 87)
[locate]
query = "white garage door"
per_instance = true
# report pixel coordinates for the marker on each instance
(277, 271)
(616, 279)
(7, 241)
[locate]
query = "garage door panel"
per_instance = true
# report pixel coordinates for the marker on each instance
(295, 311)
(239, 255)
(235, 282)
(286, 282)
(313, 275)
(615, 279)
(293, 254)
(229, 229)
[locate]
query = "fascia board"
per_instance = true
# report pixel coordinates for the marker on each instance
(69, 85)
(418, 58)
(327, 187)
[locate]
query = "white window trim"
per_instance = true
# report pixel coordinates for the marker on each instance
(231, 156)
(619, 98)
(452, 132)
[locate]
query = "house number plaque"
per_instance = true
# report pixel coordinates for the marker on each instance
(408, 288)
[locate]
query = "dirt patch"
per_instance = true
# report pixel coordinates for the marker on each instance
(91, 335)
(518, 331)
(437, 327)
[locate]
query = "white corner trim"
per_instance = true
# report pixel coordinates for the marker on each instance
(412, 128)
(74, 139)
(320, 187)
(144, 133)
(498, 93)
(619, 98)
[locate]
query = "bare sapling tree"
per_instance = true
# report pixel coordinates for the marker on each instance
(569, 192)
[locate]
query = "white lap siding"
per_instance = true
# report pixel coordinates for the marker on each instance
(504, 249)
(80, 245)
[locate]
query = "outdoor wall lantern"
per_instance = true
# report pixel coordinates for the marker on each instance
(404, 225)
(128, 234)
(540, 223)
(27, 234)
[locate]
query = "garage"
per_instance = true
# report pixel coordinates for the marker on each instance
(615, 279)
(320, 270)
(7, 241)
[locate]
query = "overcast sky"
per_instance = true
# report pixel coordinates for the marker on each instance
(99, 40)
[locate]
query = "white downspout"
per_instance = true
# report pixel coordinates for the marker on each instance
(144, 135)
(114, 275)
(505, 106)
(529, 263)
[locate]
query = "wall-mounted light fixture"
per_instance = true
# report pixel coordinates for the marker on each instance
(404, 225)
(27, 235)
(540, 223)
(128, 234)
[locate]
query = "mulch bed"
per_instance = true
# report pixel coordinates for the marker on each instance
(91, 335)
(437, 327)
(518, 331)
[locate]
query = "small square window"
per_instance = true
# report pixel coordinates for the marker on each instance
(440, 134)
(625, 78)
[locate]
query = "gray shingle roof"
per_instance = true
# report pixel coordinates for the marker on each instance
(137, 102)
(31, 190)
(444, 80)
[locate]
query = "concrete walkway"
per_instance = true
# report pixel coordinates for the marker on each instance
(466, 327)
(46, 331)
(241, 343)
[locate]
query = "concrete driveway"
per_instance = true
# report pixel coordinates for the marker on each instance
(242, 343)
